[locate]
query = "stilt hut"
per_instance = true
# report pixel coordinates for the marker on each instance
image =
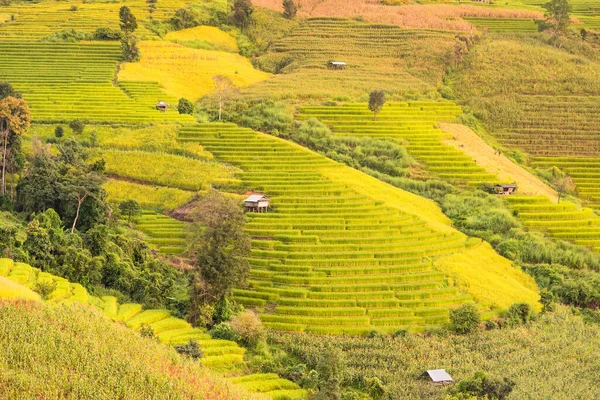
(162, 106)
(437, 376)
(336, 65)
(257, 202)
(503, 189)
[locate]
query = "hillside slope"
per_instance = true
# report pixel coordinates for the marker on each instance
(73, 352)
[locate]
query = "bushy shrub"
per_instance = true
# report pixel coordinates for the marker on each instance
(482, 386)
(271, 117)
(104, 33)
(519, 314)
(190, 349)
(59, 131)
(223, 331)
(77, 126)
(185, 106)
(249, 329)
(465, 319)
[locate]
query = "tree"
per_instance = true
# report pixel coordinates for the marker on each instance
(220, 246)
(241, 13)
(7, 90)
(185, 18)
(289, 9)
(130, 208)
(376, 102)
(465, 318)
(223, 88)
(128, 22)
(563, 185)
(15, 119)
(185, 106)
(59, 131)
(76, 187)
(331, 366)
(557, 19)
(77, 126)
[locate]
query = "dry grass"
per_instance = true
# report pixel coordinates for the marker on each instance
(433, 16)
(466, 140)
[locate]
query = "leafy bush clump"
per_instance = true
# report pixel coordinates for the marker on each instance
(465, 319)
(223, 331)
(77, 126)
(482, 386)
(249, 329)
(110, 34)
(185, 106)
(519, 314)
(190, 349)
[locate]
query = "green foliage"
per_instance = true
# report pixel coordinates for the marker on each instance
(68, 35)
(248, 329)
(185, 18)
(185, 106)
(223, 331)
(220, 246)
(465, 319)
(557, 19)
(128, 22)
(275, 118)
(77, 126)
(482, 386)
(289, 9)
(376, 102)
(129, 49)
(6, 90)
(108, 34)
(130, 209)
(241, 13)
(146, 331)
(59, 132)
(191, 349)
(519, 314)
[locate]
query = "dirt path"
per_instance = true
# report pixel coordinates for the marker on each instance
(466, 140)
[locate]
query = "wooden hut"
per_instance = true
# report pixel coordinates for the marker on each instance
(257, 202)
(162, 106)
(503, 189)
(437, 376)
(336, 65)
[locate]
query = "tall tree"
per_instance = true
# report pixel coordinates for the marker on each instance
(557, 19)
(15, 119)
(128, 24)
(6, 90)
(224, 89)
(289, 9)
(220, 246)
(376, 102)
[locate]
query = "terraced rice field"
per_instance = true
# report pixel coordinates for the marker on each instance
(414, 123)
(584, 171)
(361, 265)
(556, 126)
(504, 24)
(564, 220)
(167, 234)
(64, 81)
(220, 355)
(36, 21)
(377, 56)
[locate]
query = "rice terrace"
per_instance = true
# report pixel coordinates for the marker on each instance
(299, 199)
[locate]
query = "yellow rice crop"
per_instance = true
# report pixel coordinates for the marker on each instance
(186, 72)
(489, 278)
(208, 34)
(147, 196)
(12, 290)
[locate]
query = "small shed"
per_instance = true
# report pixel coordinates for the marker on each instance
(162, 106)
(503, 189)
(437, 376)
(336, 65)
(257, 202)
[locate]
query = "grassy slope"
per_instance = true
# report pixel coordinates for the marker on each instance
(553, 358)
(463, 138)
(69, 352)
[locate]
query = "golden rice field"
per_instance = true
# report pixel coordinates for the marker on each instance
(148, 196)
(209, 34)
(186, 72)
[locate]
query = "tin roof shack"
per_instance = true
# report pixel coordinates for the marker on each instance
(257, 202)
(162, 106)
(503, 189)
(336, 65)
(437, 376)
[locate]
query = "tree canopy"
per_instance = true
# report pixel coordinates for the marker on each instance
(376, 102)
